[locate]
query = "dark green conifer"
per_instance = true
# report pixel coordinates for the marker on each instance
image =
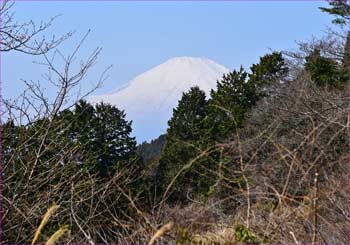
(340, 9)
(183, 143)
(325, 71)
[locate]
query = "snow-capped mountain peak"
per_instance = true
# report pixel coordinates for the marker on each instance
(149, 98)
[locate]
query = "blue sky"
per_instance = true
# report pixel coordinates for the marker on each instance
(135, 36)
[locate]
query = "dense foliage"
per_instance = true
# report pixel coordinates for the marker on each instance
(263, 158)
(325, 71)
(340, 9)
(199, 124)
(87, 147)
(183, 142)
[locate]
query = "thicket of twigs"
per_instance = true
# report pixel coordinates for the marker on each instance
(290, 162)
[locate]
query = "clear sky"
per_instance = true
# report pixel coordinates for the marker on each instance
(135, 36)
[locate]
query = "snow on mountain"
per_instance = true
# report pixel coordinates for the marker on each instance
(149, 98)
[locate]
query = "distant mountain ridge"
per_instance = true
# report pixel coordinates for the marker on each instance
(151, 150)
(149, 98)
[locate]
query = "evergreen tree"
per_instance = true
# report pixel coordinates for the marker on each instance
(324, 71)
(346, 55)
(340, 9)
(81, 129)
(270, 69)
(198, 124)
(183, 143)
(112, 142)
(186, 122)
(101, 135)
(75, 127)
(233, 96)
(12, 137)
(238, 92)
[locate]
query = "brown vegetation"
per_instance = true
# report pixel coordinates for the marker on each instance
(283, 178)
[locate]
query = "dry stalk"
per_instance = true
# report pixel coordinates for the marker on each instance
(315, 230)
(161, 231)
(44, 221)
(57, 235)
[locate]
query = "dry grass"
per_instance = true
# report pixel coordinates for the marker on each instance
(44, 221)
(161, 232)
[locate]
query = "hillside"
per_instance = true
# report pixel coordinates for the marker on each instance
(152, 149)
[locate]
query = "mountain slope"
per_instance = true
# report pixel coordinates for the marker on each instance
(151, 150)
(149, 98)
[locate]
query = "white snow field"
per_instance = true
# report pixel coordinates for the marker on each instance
(150, 97)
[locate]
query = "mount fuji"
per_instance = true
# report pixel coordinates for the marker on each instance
(150, 97)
